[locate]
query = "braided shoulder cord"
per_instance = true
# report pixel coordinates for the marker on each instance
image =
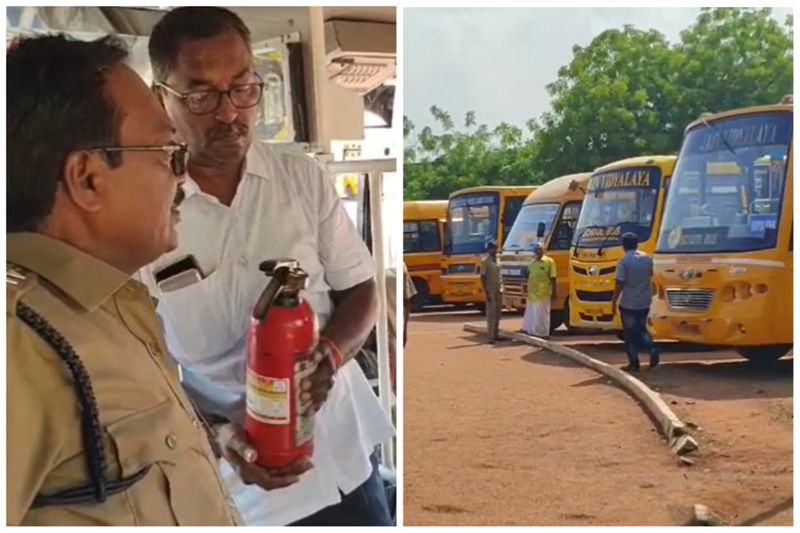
(90, 421)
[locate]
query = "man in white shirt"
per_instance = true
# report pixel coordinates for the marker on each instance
(247, 202)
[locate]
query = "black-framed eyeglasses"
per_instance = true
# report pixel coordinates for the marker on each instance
(207, 101)
(178, 153)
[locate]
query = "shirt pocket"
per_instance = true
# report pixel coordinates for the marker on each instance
(181, 486)
(205, 319)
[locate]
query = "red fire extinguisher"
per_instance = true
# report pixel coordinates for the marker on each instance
(283, 331)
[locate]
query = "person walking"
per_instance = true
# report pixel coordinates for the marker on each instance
(634, 293)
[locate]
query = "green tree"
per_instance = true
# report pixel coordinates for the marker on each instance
(612, 101)
(732, 58)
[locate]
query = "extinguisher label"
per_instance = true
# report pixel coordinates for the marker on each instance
(268, 398)
(304, 428)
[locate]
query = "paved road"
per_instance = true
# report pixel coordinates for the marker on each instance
(512, 435)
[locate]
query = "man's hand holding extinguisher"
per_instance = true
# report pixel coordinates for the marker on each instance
(237, 450)
(232, 440)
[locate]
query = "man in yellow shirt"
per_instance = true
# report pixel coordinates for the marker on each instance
(541, 290)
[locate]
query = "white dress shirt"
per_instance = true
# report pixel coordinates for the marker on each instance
(285, 207)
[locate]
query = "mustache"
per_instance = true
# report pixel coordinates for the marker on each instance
(221, 131)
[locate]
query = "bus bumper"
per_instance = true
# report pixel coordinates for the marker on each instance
(463, 290)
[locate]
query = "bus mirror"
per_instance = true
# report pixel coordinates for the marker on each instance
(575, 186)
(540, 230)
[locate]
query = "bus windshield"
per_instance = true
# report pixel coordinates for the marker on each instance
(523, 234)
(618, 201)
(471, 223)
(728, 187)
(421, 236)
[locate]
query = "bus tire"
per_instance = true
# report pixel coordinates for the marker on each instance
(420, 300)
(764, 354)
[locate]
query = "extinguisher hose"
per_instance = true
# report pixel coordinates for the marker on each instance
(100, 488)
(267, 298)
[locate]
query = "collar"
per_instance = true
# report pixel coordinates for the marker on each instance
(255, 164)
(84, 278)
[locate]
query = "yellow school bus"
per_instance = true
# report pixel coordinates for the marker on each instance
(724, 263)
(474, 217)
(624, 196)
(549, 216)
(423, 235)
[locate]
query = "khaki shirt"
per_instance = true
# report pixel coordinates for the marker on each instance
(145, 416)
(491, 269)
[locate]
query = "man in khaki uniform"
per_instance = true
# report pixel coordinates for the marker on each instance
(99, 431)
(490, 279)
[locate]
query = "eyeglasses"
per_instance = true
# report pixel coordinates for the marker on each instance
(178, 154)
(208, 100)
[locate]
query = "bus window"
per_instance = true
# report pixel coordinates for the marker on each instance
(523, 234)
(565, 229)
(513, 204)
(473, 221)
(734, 210)
(421, 236)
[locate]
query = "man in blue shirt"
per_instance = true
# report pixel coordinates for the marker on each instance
(634, 293)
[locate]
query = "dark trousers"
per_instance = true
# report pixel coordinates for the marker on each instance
(365, 506)
(634, 330)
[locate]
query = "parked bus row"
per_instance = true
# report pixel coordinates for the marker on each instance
(717, 218)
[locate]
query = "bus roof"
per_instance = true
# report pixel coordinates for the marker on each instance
(643, 160)
(752, 110)
(424, 209)
(513, 189)
(557, 189)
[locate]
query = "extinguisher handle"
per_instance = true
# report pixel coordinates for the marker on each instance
(268, 267)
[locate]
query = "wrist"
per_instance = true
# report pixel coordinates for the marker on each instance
(334, 354)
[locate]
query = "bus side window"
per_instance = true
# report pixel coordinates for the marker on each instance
(565, 227)
(429, 236)
(512, 208)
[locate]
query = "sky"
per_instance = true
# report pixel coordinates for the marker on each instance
(497, 62)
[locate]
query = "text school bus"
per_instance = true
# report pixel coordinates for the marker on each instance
(548, 216)
(624, 196)
(474, 217)
(723, 265)
(423, 237)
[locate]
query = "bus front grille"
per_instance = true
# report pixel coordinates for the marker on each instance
(692, 299)
(588, 296)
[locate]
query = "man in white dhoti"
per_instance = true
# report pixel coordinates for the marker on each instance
(541, 290)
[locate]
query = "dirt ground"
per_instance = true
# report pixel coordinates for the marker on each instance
(513, 435)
